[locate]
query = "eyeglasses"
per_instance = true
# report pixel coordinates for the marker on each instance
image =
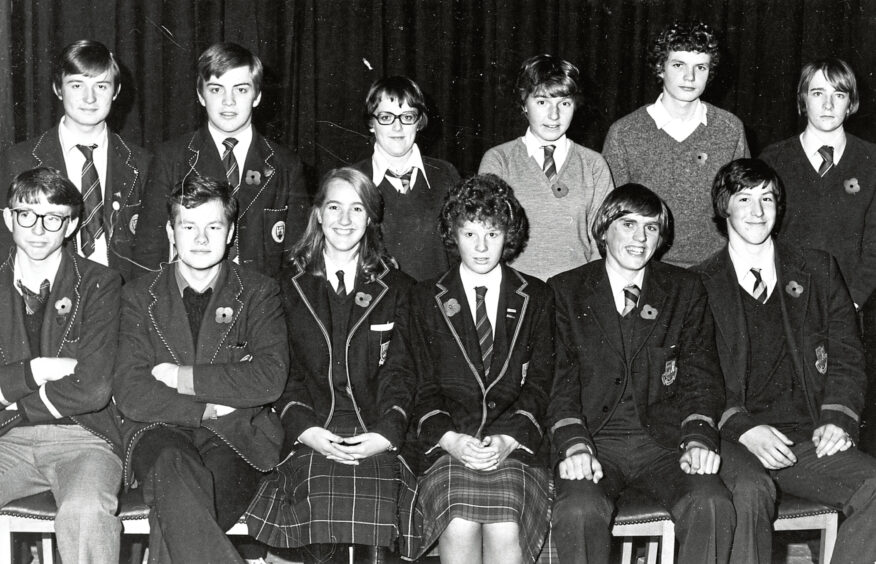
(388, 118)
(28, 218)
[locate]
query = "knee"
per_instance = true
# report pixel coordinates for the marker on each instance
(864, 497)
(755, 491)
(709, 504)
(581, 511)
(88, 507)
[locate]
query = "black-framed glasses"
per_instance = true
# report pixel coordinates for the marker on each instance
(28, 218)
(388, 118)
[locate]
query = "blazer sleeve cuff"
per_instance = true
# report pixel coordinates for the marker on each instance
(737, 425)
(432, 426)
(842, 417)
(392, 426)
(700, 428)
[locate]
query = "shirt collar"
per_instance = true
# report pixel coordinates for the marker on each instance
(662, 118)
(618, 281)
(380, 164)
(812, 141)
(34, 284)
(492, 279)
(182, 283)
(332, 267)
(765, 261)
(244, 139)
(69, 138)
(535, 146)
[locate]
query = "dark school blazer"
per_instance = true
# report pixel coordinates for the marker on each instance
(241, 361)
(81, 321)
(273, 200)
(671, 363)
(821, 328)
(126, 171)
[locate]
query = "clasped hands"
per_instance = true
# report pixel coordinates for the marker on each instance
(773, 449)
(345, 450)
(581, 464)
(478, 454)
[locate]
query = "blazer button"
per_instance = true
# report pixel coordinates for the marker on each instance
(618, 381)
(604, 409)
(492, 405)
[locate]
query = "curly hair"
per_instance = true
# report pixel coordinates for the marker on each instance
(628, 199)
(485, 198)
(837, 72)
(738, 175)
(547, 75)
(695, 37)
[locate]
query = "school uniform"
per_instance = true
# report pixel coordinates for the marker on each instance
(338, 345)
(440, 357)
(813, 374)
(122, 188)
(272, 197)
(198, 465)
(634, 389)
(62, 436)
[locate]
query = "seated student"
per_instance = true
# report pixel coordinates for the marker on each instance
(637, 390)
(58, 340)
(793, 368)
(338, 484)
(678, 143)
(267, 179)
(477, 353)
(109, 171)
(202, 355)
(558, 182)
(413, 186)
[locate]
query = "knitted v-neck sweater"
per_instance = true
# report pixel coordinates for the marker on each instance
(679, 172)
(559, 227)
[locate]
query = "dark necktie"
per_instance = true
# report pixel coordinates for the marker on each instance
(34, 302)
(231, 170)
(759, 291)
(405, 179)
(631, 298)
(485, 330)
(342, 287)
(92, 222)
(550, 167)
(826, 152)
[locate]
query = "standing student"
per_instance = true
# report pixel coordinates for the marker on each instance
(412, 185)
(638, 390)
(266, 178)
(58, 342)
(109, 171)
(677, 144)
(477, 357)
(559, 183)
(340, 482)
(202, 356)
(793, 369)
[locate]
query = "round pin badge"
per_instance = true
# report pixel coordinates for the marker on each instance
(278, 231)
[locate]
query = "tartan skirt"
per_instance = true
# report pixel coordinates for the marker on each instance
(514, 492)
(310, 499)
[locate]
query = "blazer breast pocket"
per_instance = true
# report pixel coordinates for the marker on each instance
(238, 352)
(380, 335)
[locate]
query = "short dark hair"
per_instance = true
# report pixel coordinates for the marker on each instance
(399, 89)
(195, 190)
(626, 200)
(489, 199)
(547, 75)
(684, 36)
(738, 175)
(220, 58)
(837, 72)
(29, 185)
(87, 57)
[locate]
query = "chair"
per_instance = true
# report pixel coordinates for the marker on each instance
(797, 514)
(640, 516)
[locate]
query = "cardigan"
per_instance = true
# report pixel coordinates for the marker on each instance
(560, 221)
(679, 172)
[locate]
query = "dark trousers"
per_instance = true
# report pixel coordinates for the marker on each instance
(867, 316)
(196, 488)
(700, 505)
(845, 480)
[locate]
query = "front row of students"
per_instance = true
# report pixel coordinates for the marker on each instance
(408, 414)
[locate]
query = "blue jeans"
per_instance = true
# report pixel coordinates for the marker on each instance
(84, 475)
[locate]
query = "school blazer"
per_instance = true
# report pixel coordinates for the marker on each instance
(80, 321)
(821, 328)
(127, 168)
(309, 397)
(241, 361)
(671, 361)
(273, 200)
(440, 359)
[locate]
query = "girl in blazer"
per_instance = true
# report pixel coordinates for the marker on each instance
(342, 478)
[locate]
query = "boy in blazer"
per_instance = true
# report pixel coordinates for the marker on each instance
(109, 171)
(202, 357)
(266, 178)
(637, 389)
(57, 344)
(793, 368)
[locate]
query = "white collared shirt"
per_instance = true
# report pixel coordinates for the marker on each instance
(244, 140)
(676, 128)
(811, 142)
(74, 160)
(33, 281)
(765, 261)
(380, 164)
(535, 149)
(618, 282)
(331, 269)
(493, 281)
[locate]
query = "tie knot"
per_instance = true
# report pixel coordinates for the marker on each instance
(87, 150)
(826, 152)
(340, 275)
(632, 290)
(549, 150)
(756, 273)
(230, 143)
(480, 292)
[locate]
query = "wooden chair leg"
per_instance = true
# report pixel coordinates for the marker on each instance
(5, 540)
(651, 550)
(48, 549)
(828, 540)
(667, 545)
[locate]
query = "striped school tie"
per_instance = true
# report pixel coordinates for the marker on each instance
(759, 291)
(405, 180)
(485, 330)
(826, 152)
(631, 299)
(550, 167)
(92, 224)
(232, 172)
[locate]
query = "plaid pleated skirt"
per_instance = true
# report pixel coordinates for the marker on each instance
(514, 492)
(310, 499)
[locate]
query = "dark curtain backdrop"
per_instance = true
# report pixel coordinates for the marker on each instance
(321, 55)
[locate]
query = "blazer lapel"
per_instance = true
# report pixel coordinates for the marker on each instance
(48, 149)
(649, 311)
(366, 299)
(510, 315)
(215, 327)
(793, 289)
(64, 305)
(121, 177)
(168, 315)
(600, 302)
(725, 301)
(456, 313)
(256, 174)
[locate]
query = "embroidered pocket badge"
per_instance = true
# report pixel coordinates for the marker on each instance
(821, 360)
(278, 231)
(648, 312)
(384, 349)
(451, 307)
(362, 299)
(794, 289)
(670, 371)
